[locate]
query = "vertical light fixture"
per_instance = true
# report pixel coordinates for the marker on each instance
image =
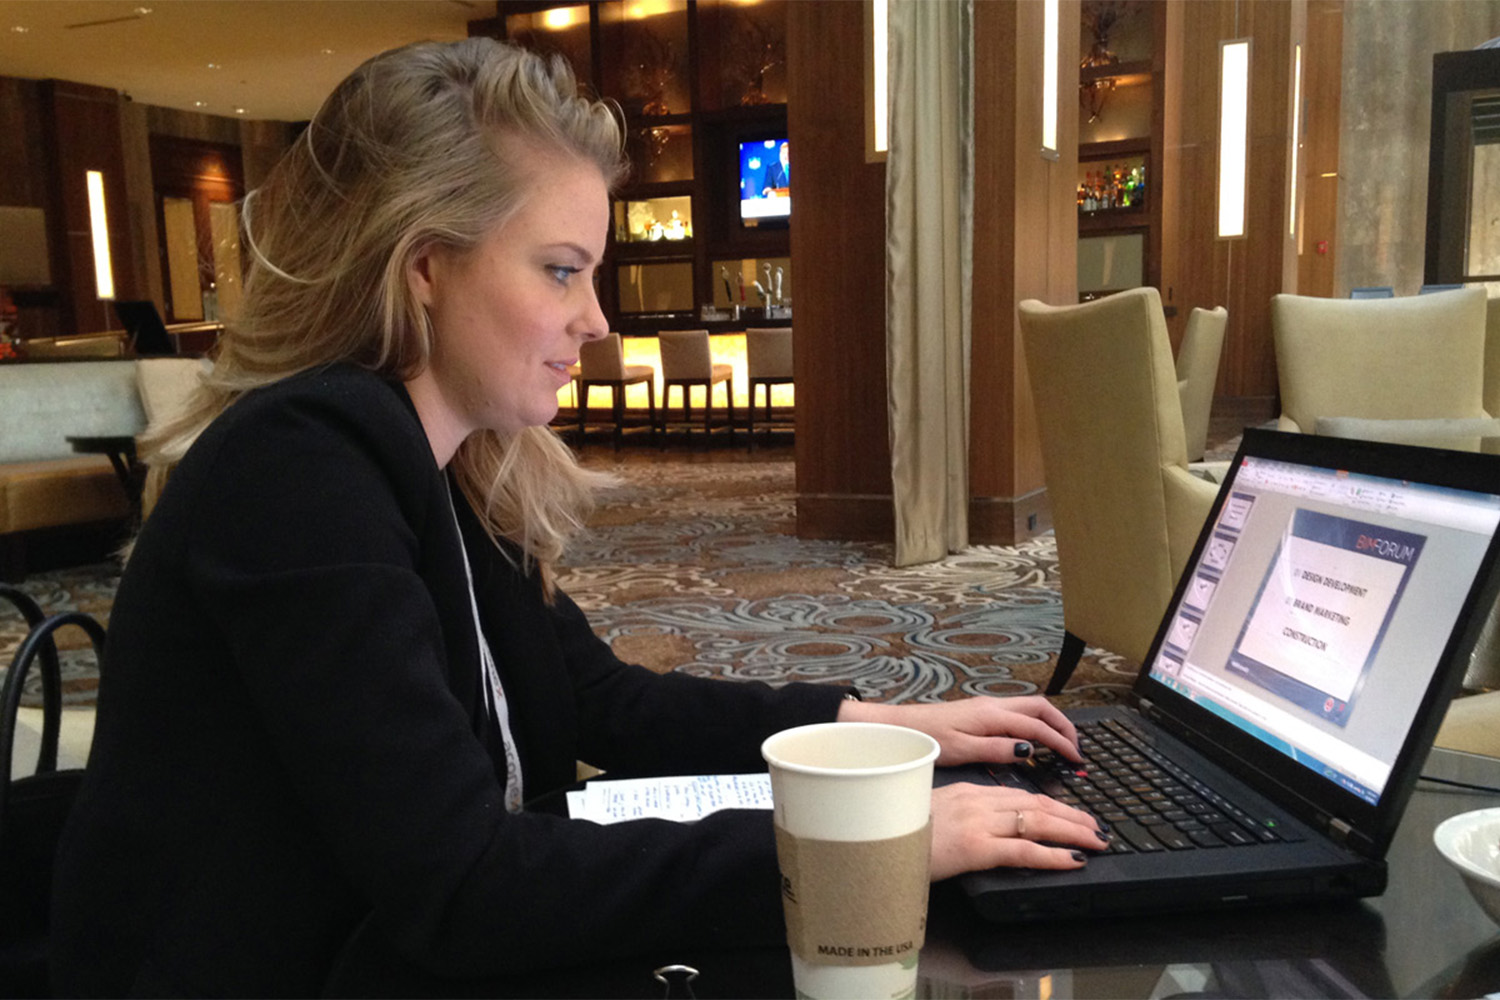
(877, 110)
(104, 275)
(1291, 223)
(1234, 130)
(1049, 79)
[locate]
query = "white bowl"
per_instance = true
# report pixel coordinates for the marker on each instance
(1471, 843)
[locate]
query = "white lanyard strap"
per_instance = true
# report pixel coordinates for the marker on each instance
(494, 691)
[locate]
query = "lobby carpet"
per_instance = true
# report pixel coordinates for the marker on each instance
(693, 566)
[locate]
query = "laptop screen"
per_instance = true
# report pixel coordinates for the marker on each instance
(1316, 610)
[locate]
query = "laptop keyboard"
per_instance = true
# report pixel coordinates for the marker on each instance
(1150, 802)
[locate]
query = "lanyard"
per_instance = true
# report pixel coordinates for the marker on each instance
(495, 703)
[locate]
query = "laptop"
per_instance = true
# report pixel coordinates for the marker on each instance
(1293, 690)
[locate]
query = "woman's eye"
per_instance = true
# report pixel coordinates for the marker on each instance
(562, 273)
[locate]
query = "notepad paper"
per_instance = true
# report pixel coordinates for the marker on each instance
(683, 799)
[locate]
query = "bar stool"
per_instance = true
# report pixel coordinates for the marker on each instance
(602, 363)
(768, 356)
(687, 361)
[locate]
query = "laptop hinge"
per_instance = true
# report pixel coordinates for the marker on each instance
(1339, 831)
(1145, 706)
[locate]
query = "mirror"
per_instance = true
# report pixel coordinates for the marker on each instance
(1463, 173)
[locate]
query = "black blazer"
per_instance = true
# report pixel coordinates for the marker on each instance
(290, 735)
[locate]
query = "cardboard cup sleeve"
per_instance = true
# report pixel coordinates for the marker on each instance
(855, 903)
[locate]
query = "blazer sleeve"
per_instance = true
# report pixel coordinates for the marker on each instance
(340, 652)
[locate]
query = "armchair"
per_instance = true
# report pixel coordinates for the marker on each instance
(1197, 373)
(1417, 357)
(1125, 508)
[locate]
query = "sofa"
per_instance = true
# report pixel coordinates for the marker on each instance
(44, 484)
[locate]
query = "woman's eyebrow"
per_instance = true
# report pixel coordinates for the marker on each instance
(583, 255)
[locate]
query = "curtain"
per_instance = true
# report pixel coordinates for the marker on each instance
(929, 235)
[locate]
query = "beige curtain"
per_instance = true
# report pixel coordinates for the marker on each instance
(929, 233)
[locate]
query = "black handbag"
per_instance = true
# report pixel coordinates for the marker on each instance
(33, 809)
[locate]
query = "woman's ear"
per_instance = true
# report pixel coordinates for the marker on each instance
(421, 274)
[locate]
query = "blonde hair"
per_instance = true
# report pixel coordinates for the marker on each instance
(418, 147)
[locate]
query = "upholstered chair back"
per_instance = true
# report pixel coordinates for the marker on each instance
(768, 352)
(685, 354)
(602, 359)
(1125, 509)
(1197, 373)
(1406, 358)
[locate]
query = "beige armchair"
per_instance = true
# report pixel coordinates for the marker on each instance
(1125, 508)
(1197, 373)
(1409, 358)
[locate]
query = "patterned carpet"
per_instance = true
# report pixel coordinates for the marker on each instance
(698, 570)
(694, 567)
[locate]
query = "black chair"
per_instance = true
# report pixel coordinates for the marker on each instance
(33, 809)
(148, 334)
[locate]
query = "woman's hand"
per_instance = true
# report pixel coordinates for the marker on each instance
(988, 730)
(975, 827)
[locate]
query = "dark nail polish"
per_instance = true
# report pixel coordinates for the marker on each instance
(1023, 750)
(1079, 856)
(1103, 836)
(1102, 824)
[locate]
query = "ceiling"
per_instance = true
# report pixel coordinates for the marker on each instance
(264, 59)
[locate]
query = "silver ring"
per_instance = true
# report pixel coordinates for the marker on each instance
(1020, 823)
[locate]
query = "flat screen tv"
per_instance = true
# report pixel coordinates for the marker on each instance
(765, 182)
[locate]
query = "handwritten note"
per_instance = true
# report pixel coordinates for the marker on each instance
(683, 799)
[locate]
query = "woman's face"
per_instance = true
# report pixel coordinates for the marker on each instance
(509, 315)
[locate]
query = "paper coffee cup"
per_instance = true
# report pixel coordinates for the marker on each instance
(853, 804)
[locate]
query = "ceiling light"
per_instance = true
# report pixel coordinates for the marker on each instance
(19, 29)
(326, 52)
(143, 11)
(239, 111)
(200, 104)
(213, 66)
(558, 18)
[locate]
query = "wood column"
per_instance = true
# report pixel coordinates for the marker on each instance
(1322, 86)
(1025, 242)
(1240, 274)
(838, 244)
(1025, 247)
(84, 134)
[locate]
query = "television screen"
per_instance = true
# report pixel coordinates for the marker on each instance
(765, 182)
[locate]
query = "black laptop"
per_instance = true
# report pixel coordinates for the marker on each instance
(1292, 693)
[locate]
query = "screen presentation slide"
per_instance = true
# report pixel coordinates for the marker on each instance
(1322, 610)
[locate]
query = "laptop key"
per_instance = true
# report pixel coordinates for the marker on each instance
(1204, 837)
(1137, 836)
(1174, 839)
(1232, 834)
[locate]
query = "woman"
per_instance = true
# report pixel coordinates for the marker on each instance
(337, 664)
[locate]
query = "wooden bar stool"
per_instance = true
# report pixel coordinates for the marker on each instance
(602, 363)
(686, 361)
